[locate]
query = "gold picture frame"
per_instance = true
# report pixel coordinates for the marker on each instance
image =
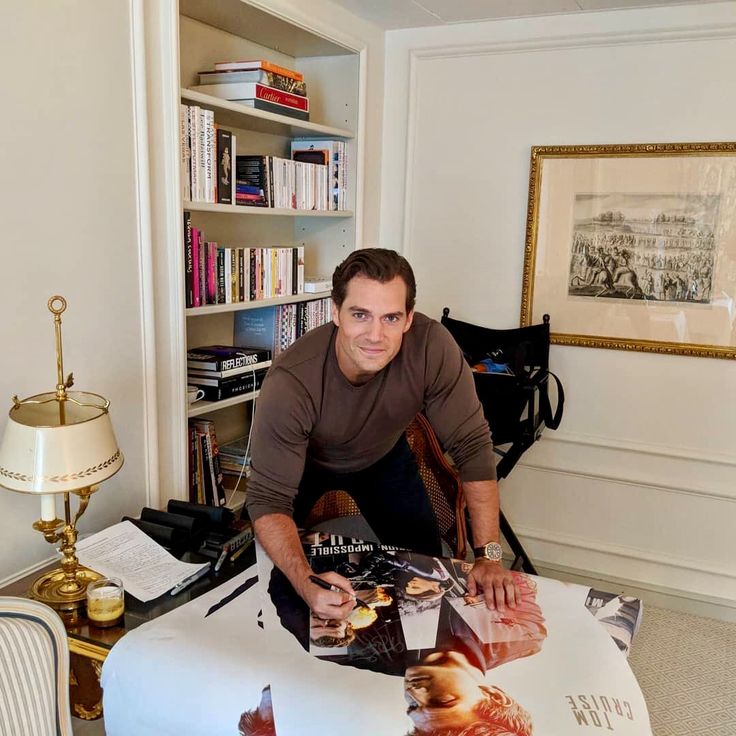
(633, 247)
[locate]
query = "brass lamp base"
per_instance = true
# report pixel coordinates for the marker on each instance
(52, 589)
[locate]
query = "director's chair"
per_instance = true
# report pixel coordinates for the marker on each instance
(514, 395)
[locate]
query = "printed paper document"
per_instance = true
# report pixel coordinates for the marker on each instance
(145, 567)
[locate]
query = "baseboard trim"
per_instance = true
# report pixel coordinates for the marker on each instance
(654, 595)
(544, 536)
(557, 555)
(28, 570)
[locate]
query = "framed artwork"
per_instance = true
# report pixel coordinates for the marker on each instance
(633, 247)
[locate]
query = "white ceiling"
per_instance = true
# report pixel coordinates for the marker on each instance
(392, 14)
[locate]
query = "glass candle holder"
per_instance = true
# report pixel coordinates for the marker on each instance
(105, 602)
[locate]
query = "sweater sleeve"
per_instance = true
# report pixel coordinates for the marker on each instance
(284, 417)
(453, 409)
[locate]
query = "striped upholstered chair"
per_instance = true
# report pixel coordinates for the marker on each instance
(34, 670)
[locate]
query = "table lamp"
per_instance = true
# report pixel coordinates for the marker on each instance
(60, 442)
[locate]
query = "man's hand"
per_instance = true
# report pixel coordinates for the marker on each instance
(329, 604)
(495, 583)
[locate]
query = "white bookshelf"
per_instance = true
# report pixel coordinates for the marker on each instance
(207, 31)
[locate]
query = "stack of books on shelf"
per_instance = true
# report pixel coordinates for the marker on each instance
(207, 154)
(270, 181)
(280, 326)
(225, 371)
(205, 475)
(331, 153)
(235, 464)
(217, 274)
(258, 84)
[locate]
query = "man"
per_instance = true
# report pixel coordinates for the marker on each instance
(447, 696)
(332, 415)
(328, 633)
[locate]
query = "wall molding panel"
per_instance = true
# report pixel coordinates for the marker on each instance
(666, 469)
(658, 572)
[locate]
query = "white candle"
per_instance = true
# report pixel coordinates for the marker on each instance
(48, 507)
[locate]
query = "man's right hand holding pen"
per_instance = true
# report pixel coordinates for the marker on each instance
(333, 600)
(277, 533)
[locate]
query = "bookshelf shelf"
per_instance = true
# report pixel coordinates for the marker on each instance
(242, 116)
(235, 209)
(239, 306)
(205, 407)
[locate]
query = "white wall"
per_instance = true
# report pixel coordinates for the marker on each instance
(68, 194)
(639, 484)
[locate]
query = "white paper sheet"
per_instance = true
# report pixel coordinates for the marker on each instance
(145, 567)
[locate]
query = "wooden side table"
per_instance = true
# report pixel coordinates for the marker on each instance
(90, 645)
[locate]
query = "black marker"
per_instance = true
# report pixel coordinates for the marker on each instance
(329, 586)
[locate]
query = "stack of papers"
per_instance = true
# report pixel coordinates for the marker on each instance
(123, 551)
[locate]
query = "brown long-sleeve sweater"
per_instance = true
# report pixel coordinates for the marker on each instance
(308, 408)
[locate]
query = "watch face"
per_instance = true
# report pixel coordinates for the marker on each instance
(493, 551)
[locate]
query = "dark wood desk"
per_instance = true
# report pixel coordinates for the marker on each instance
(90, 645)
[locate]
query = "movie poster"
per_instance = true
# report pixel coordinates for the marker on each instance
(420, 656)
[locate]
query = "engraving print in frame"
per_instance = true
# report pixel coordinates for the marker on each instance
(633, 246)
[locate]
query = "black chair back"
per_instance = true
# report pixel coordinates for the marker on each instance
(515, 404)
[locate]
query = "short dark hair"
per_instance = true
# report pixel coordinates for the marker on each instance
(379, 264)
(336, 641)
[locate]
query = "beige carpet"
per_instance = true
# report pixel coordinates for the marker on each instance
(686, 667)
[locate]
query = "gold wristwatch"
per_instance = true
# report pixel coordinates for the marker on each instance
(491, 551)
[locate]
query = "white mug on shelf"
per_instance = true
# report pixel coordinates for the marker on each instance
(194, 393)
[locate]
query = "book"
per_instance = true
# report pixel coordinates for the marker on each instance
(256, 327)
(225, 161)
(185, 152)
(254, 173)
(235, 456)
(188, 261)
(234, 154)
(226, 357)
(246, 377)
(332, 153)
(208, 482)
(227, 388)
(251, 64)
(214, 491)
(194, 372)
(210, 161)
(274, 107)
(253, 90)
(314, 285)
(261, 76)
(196, 280)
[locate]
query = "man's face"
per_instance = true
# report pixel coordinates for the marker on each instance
(328, 627)
(371, 324)
(442, 691)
